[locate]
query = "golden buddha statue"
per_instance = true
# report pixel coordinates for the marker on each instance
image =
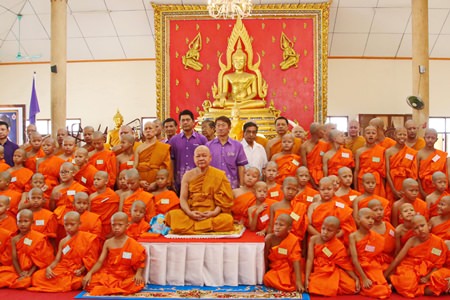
(190, 60)
(113, 137)
(290, 57)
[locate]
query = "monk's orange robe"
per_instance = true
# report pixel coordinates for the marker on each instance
(384, 202)
(166, 201)
(105, 205)
(340, 211)
(135, 230)
(387, 256)
(368, 249)
(49, 167)
(275, 193)
(420, 143)
(152, 159)
(4, 166)
(30, 162)
(126, 165)
(419, 261)
(14, 200)
(439, 278)
(442, 230)
(45, 222)
(328, 277)
(206, 192)
(33, 249)
(433, 209)
(342, 158)
(68, 195)
(239, 210)
(264, 217)
(314, 161)
(436, 161)
(287, 166)
(90, 222)
(281, 275)
(420, 207)
(306, 196)
(298, 213)
(387, 143)
(276, 147)
(5, 247)
(105, 160)
(118, 270)
(348, 198)
(9, 223)
(144, 196)
(85, 176)
(355, 144)
(403, 165)
(80, 250)
(372, 161)
(20, 180)
(409, 234)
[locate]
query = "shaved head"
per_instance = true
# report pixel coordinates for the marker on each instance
(368, 176)
(364, 211)
(343, 170)
(332, 220)
(315, 127)
(286, 218)
(4, 199)
(418, 218)
(290, 179)
(102, 174)
(132, 174)
(97, 135)
(119, 216)
(374, 202)
(408, 182)
(138, 203)
(301, 169)
(127, 137)
(203, 148)
(73, 215)
(25, 213)
(438, 175)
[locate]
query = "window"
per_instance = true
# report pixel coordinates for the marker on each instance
(341, 122)
(44, 126)
(442, 126)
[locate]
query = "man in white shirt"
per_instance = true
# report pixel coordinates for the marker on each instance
(256, 154)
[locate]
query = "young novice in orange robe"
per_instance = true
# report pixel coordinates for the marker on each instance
(138, 225)
(369, 186)
(14, 197)
(125, 160)
(345, 192)
(68, 147)
(274, 191)
(49, 165)
(305, 193)
(3, 166)
(440, 279)
(410, 192)
(296, 210)
(90, 222)
(120, 267)
(329, 271)
(84, 171)
(104, 202)
(338, 156)
(103, 159)
(20, 176)
(430, 160)
(44, 220)
(5, 247)
(440, 224)
(244, 196)
(365, 247)
(419, 258)
(370, 159)
(312, 152)
(76, 254)
(382, 139)
(35, 153)
(122, 183)
(385, 229)
(404, 231)
(287, 161)
(37, 181)
(165, 199)
(440, 184)
(30, 251)
(7, 220)
(282, 254)
(401, 163)
(259, 213)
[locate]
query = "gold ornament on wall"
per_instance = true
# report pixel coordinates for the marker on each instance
(190, 59)
(290, 57)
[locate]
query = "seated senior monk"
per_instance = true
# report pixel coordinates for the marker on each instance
(205, 199)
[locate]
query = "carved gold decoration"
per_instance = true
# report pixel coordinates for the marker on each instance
(208, 67)
(284, 80)
(197, 27)
(208, 95)
(176, 54)
(177, 110)
(190, 59)
(305, 80)
(218, 26)
(305, 108)
(207, 40)
(263, 26)
(305, 52)
(274, 39)
(177, 27)
(177, 82)
(197, 82)
(273, 67)
(187, 41)
(274, 93)
(290, 57)
(305, 25)
(187, 95)
(284, 108)
(284, 25)
(295, 93)
(263, 53)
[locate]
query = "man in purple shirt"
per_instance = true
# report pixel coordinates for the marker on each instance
(227, 154)
(182, 147)
(9, 146)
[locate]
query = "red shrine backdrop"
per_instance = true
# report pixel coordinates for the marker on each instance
(298, 92)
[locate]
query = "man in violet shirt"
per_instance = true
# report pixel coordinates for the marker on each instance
(227, 154)
(182, 147)
(9, 147)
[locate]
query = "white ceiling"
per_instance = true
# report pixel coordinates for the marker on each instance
(123, 29)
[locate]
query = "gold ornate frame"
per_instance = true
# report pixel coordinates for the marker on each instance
(165, 13)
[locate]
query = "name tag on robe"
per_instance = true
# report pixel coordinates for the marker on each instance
(369, 248)
(409, 156)
(294, 216)
(436, 158)
(165, 201)
(436, 251)
(340, 205)
(345, 155)
(327, 252)
(274, 194)
(264, 218)
(309, 198)
(40, 222)
(27, 241)
(391, 232)
(83, 180)
(282, 251)
(352, 197)
(130, 163)
(99, 162)
(376, 159)
(66, 249)
(295, 162)
(322, 153)
(71, 192)
(126, 255)
(13, 179)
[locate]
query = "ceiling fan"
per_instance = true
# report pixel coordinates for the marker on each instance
(19, 55)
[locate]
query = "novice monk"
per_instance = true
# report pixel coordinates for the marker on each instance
(429, 161)
(282, 254)
(120, 267)
(36, 151)
(329, 271)
(68, 147)
(365, 248)
(287, 161)
(90, 222)
(440, 184)
(37, 181)
(419, 258)
(440, 282)
(103, 159)
(76, 254)
(410, 190)
(49, 165)
(338, 156)
(138, 225)
(3, 166)
(125, 160)
(259, 213)
(274, 189)
(325, 206)
(370, 159)
(122, 183)
(440, 224)
(44, 220)
(401, 163)
(165, 199)
(404, 231)
(30, 251)
(84, 171)
(244, 197)
(305, 193)
(345, 192)
(88, 133)
(382, 140)
(5, 247)
(312, 152)
(7, 220)
(104, 202)
(61, 134)
(151, 155)
(296, 210)
(369, 185)
(5, 180)
(20, 176)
